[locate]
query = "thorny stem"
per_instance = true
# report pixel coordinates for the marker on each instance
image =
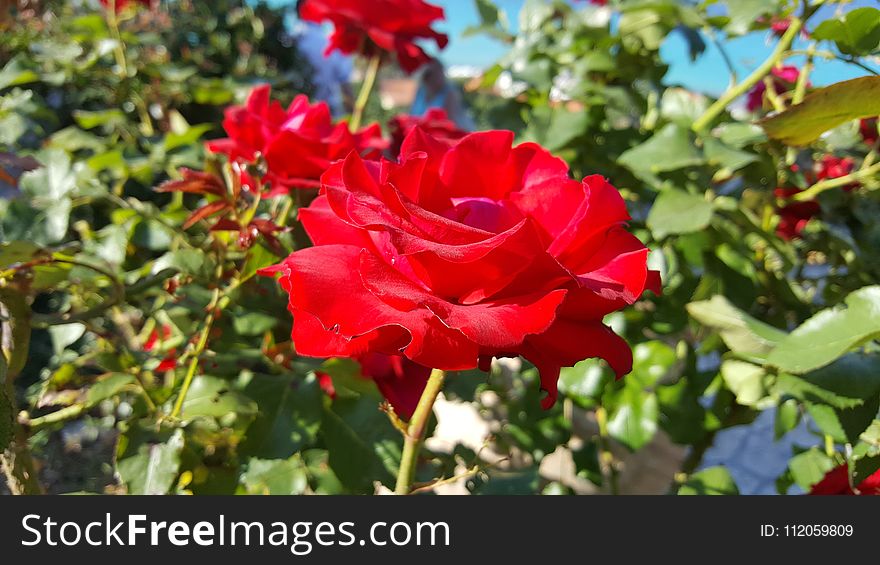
(416, 431)
(758, 74)
(364, 95)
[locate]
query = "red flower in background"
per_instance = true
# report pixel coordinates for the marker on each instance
(435, 122)
(298, 143)
(784, 80)
(390, 25)
(455, 255)
(120, 5)
(868, 129)
(836, 482)
(793, 217)
(831, 167)
(169, 362)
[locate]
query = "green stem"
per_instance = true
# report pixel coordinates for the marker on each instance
(606, 458)
(56, 417)
(822, 186)
(416, 431)
(364, 95)
(721, 104)
(800, 88)
(218, 302)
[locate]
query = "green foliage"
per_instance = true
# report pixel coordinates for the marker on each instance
(166, 338)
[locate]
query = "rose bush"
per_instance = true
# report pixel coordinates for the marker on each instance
(139, 340)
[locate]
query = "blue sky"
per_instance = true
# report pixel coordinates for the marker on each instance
(707, 74)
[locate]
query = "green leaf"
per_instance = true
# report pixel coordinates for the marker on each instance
(682, 106)
(564, 127)
(18, 252)
(634, 423)
(669, 149)
(147, 462)
(788, 414)
(288, 418)
(107, 119)
(710, 481)
(810, 467)
(677, 212)
(64, 335)
(253, 323)
(363, 445)
(15, 72)
(50, 188)
(856, 33)
(744, 13)
(212, 397)
(107, 387)
(16, 330)
(746, 381)
(584, 382)
(258, 256)
(189, 137)
(740, 332)
(853, 385)
(726, 158)
(739, 135)
(830, 333)
(275, 476)
(825, 108)
(651, 361)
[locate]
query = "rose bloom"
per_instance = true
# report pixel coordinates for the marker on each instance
(365, 26)
(836, 481)
(454, 255)
(169, 362)
(868, 129)
(831, 167)
(793, 217)
(298, 143)
(435, 122)
(120, 5)
(784, 79)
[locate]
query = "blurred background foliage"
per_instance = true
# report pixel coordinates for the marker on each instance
(104, 296)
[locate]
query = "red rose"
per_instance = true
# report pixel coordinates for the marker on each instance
(868, 129)
(793, 217)
(120, 5)
(387, 25)
(836, 481)
(435, 122)
(298, 144)
(831, 167)
(454, 255)
(784, 80)
(169, 362)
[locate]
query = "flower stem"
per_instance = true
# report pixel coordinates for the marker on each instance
(828, 184)
(606, 458)
(719, 106)
(416, 431)
(364, 95)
